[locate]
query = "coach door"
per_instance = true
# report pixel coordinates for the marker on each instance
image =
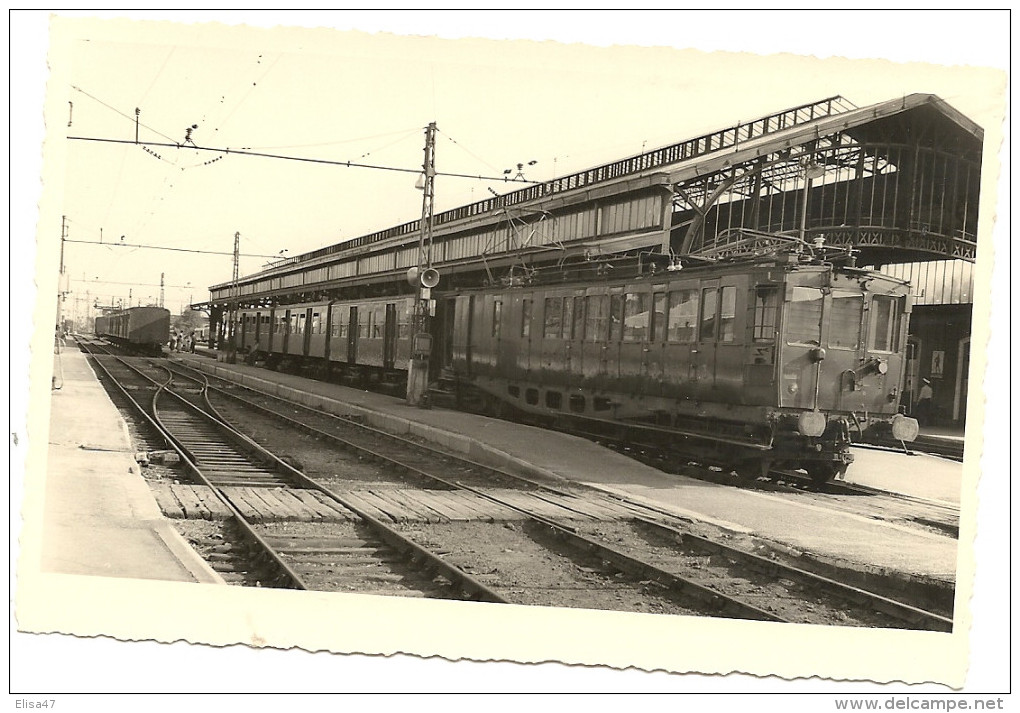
(469, 334)
(447, 323)
(286, 331)
(573, 334)
(703, 355)
(390, 335)
(272, 328)
(306, 324)
(730, 354)
(352, 337)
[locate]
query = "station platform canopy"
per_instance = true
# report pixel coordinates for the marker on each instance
(893, 182)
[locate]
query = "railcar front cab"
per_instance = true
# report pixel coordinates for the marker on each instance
(840, 344)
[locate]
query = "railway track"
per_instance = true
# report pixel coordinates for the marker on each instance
(931, 515)
(240, 481)
(937, 516)
(718, 586)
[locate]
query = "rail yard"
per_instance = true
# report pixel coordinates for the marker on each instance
(679, 384)
(279, 481)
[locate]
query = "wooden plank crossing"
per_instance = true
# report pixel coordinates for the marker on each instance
(192, 502)
(287, 505)
(260, 505)
(440, 506)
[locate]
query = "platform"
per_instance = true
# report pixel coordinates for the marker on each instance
(823, 532)
(100, 517)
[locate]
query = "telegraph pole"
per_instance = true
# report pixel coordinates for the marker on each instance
(424, 279)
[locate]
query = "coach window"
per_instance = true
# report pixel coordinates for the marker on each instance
(404, 323)
(845, 319)
(579, 313)
(727, 314)
(316, 323)
(526, 318)
(804, 316)
(568, 318)
(615, 318)
(365, 325)
(497, 315)
(765, 301)
(885, 317)
(553, 318)
(377, 322)
(681, 319)
(658, 317)
(635, 317)
(709, 300)
(597, 310)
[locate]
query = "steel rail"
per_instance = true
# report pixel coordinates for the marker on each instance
(284, 572)
(709, 598)
(427, 450)
(905, 612)
(461, 580)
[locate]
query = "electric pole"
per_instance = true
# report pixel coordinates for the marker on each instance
(62, 281)
(425, 278)
(234, 297)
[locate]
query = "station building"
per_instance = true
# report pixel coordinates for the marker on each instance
(940, 327)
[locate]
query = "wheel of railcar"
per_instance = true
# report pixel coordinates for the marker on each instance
(753, 468)
(489, 405)
(822, 472)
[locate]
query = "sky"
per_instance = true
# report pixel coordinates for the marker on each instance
(582, 90)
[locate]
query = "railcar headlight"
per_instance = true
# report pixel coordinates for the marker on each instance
(811, 423)
(904, 428)
(882, 366)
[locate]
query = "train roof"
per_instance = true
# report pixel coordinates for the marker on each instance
(137, 310)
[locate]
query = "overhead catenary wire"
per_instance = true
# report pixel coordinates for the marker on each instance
(132, 119)
(164, 247)
(302, 159)
(467, 150)
(134, 284)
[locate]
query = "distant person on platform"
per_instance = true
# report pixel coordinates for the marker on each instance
(923, 409)
(193, 339)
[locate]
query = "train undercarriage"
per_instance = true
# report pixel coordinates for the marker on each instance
(749, 451)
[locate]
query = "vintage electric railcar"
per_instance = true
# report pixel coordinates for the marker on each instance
(778, 362)
(368, 339)
(145, 329)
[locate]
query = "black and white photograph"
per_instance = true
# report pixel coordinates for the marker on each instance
(424, 355)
